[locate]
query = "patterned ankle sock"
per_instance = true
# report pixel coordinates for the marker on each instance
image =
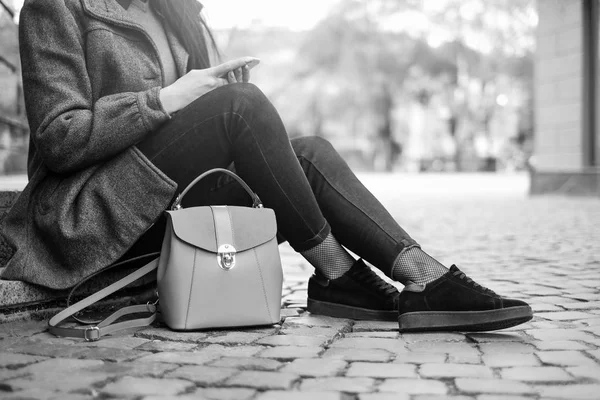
(329, 258)
(417, 266)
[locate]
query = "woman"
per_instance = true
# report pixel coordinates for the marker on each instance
(124, 109)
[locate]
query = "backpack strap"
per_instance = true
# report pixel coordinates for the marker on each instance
(106, 326)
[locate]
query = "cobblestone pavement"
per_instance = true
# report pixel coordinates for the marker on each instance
(544, 250)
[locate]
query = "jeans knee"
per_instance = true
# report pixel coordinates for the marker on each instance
(311, 147)
(245, 95)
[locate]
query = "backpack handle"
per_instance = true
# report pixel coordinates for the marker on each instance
(256, 202)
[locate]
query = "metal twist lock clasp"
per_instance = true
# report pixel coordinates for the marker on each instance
(226, 256)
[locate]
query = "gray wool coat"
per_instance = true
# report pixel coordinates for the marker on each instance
(91, 79)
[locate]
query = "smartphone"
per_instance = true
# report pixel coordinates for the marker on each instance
(253, 63)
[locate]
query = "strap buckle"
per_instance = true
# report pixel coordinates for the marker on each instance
(91, 334)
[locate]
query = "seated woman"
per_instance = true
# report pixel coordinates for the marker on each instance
(124, 108)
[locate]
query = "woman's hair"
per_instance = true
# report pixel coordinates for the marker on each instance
(183, 17)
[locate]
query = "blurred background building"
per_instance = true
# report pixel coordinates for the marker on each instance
(405, 85)
(567, 138)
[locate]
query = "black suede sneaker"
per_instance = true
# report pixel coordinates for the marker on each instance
(454, 302)
(358, 294)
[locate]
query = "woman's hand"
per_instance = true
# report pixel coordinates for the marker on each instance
(241, 74)
(198, 82)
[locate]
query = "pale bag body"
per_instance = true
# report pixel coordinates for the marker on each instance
(196, 292)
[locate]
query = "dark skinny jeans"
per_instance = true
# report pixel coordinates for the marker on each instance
(305, 181)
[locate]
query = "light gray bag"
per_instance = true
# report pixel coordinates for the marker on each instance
(219, 265)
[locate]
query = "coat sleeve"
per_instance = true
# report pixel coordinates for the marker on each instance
(71, 131)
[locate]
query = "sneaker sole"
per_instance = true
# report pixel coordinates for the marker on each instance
(343, 311)
(473, 321)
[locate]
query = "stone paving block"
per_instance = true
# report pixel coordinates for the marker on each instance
(565, 358)
(18, 360)
(588, 371)
(588, 305)
(455, 371)
(22, 329)
(138, 369)
(500, 386)
(372, 334)
(559, 334)
(167, 334)
(262, 364)
(542, 324)
(175, 397)
(383, 396)
(593, 323)
(121, 342)
(491, 337)
(130, 386)
(308, 319)
(262, 380)
(413, 386)
(314, 367)
(235, 337)
(63, 365)
(564, 315)
(392, 345)
(338, 384)
(464, 359)
(291, 352)
(290, 312)
(440, 397)
(421, 358)
(433, 337)
(558, 300)
(202, 374)
(502, 397)
(287, 395)
(507, 348)
(231, 351)
(536, 374)
(594, 353)
(180, 357)
(7, 374)
(58, 381)
(456, 348)
(510, 360)
(224, 393)
(375, 355)
(363, 326)
(42, 394)
(163, 345)
(540, 307)
(293, 340)
(571, 392)
(301, 330)
(44, 349)
(109, 354)
(379, 370)
(560, 345)
(587, 296)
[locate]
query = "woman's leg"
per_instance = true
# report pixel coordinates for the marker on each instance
(441, 299)
(237, 124)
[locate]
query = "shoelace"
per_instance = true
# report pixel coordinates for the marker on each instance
(372, 279)
(462, 275)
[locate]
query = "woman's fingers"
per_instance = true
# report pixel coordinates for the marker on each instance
(231, 77)
(224, 68)
(245, 74)
(238, 74)
(221, 82)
